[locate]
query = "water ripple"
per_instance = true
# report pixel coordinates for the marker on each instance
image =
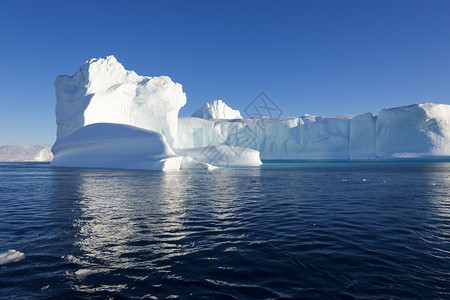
(356, 231)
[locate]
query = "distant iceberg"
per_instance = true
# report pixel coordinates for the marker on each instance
(24, 153)
(109, 117)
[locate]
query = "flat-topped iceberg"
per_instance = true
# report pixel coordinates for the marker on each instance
(414, 131)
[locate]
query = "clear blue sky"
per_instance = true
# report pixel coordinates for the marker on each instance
(315, 57)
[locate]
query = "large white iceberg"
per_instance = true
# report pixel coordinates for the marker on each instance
(109, 117)
(217, 110)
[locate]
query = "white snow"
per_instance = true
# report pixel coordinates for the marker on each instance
(11, 256)
(105, 145)
(102, 91)
(217, 110)
(19, 153)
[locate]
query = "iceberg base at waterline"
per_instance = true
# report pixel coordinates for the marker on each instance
(118, 146)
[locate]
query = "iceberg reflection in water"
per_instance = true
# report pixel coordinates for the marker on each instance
(315, 231)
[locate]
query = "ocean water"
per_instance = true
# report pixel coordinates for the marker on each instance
(304, 231)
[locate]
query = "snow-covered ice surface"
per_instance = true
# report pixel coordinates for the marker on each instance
(11, 256)
(217, 110)
(19, 153)
(107, 145)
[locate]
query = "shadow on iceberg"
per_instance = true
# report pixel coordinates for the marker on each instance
(118, 146)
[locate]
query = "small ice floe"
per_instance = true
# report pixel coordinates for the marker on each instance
(11, 256)
(83, 273)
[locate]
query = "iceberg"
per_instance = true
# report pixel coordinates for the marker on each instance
(109, 117)
(217, 110)
(407, 132)
(19, 153)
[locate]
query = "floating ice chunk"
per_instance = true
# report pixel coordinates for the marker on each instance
(11, 256)
(83, 273)
(217, 110)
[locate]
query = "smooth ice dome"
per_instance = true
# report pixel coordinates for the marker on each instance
(217, 110)
(106, 145)
(102, 91)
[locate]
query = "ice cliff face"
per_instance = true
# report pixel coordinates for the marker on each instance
(415, 131)
(217, 110)
(102, 91)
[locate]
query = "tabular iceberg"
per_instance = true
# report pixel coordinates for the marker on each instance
(109, 117)
(414, 131)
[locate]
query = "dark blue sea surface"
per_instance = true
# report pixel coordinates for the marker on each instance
(310, 231)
